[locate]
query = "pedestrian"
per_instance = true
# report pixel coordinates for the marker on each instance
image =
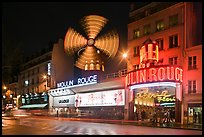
(57, 113)
(199, 118)
(143, 115)
(194, 117)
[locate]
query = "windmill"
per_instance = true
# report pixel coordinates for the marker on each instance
(91, 50)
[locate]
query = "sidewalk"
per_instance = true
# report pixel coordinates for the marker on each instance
(130, 122)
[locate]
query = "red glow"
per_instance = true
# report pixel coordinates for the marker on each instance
(163, 73)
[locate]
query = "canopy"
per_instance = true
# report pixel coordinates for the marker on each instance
(34, 106)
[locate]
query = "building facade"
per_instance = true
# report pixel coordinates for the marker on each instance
(175, 27)
(41, 72)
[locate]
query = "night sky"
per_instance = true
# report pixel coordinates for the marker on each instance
(30, 26)
(34, 24)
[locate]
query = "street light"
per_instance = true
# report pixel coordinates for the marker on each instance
(129, 65)
(45, 79)
(4, 87)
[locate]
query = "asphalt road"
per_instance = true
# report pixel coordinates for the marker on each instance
(41, 126)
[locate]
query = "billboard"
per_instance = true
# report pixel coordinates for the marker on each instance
(104, 98)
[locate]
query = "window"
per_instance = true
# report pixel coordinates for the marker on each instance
(173, 61)
(147, 29)
(191, 86)
(173, 20)
(160, 43)
(28, 73)
(32, 71)
(159, 25)
(192, 62)
(136, 67)
(173, 41)
(37, 69)
(26, 82)
(32, 81)
(136, 51)
(37, 80)
(136, 33)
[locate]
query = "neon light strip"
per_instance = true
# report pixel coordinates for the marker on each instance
(153, 85)
(167, 104)
(73, 86)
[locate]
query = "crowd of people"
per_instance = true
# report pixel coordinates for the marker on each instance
(155, 115)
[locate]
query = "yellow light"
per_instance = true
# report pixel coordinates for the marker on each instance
(125, 55)
(4, 87)
(44, 76)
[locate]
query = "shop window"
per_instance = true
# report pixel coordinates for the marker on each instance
(136, 51)
(192, 62)
(147, 29)
(173, 61)
(160, 43)
(191, 86)
(159, 25)
(173, 41)
(136, 33)
(173, 20)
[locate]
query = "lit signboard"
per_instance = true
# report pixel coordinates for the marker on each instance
(104, 98)
(80, 82)
(156, 74)
(49, 69)
(64, 101)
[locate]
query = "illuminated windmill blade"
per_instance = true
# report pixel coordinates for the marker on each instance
(73, 41)
(108, 43)
(89, 59)
(93, 24)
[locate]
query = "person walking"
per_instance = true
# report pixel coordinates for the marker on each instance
(194, 117)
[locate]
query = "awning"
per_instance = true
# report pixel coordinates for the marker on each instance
(34, 106)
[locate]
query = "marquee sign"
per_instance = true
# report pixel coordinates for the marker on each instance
(155, 74)
(80, 82)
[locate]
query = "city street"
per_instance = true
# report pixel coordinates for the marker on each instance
(42, 126)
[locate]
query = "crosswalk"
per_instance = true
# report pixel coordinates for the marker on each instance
(63, 128)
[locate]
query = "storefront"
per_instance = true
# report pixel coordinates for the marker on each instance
(156, 94)
(89, 98)
(108, 104)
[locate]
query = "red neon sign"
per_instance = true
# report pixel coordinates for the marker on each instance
(156, 74)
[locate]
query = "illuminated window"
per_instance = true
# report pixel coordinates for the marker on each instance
(136, 51)
(26, 82)
(173, 20)
(191, 86)
(136, 33)
(92, 65)
(159, 25)
(173, 41)
(147, 29)
(173, 61)
(192, 62)
(160, 43)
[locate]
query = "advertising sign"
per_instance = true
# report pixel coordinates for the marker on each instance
(64, 101)
(104, 98)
